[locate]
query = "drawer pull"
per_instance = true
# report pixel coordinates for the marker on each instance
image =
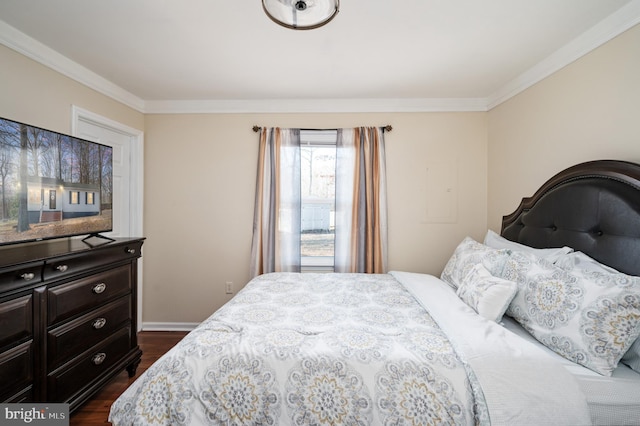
(99, 288)
(131, 251)
(98, 323)
(62, 268)
(98, 358)
(28, 276)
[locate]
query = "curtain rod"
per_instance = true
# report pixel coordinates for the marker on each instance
(386, 128)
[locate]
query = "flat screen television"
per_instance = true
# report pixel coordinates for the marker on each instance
(52, 185)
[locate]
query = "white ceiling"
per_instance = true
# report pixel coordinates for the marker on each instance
(191, 55)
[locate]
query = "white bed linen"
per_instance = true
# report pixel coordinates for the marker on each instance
(612, 400)
(521, 383)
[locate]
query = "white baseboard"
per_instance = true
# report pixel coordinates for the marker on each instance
(169, 326)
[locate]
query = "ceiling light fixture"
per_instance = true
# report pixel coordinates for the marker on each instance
(301, 14)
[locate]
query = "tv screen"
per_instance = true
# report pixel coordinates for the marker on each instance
(52, 185)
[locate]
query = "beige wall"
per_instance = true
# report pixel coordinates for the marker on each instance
(589, 110)
(34, 94)
(200, 182)
(199, 195)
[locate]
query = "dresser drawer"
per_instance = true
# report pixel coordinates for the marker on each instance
(16, 320)
(72, 265)
(25, 396)
(75, 297)
(16, 371)
(79, 335)
(63, 384)
(19, 276)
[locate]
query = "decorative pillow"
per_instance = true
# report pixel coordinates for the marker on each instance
(591, 269)
(489, 296)
(469, 253)
(499, 242)
(587, 317)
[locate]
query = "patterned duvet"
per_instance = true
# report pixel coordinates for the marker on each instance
(320, 349)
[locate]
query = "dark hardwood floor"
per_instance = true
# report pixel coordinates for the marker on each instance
(96, 411)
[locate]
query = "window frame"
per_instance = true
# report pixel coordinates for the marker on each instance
(76, 195)
(317, 138)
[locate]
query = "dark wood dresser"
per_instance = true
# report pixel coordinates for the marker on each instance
(67, 318)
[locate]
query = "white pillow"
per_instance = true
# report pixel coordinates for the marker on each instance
(587, 317)
(580, 261)
(489, 296)
(469, 253)
(632, 357)
(494, 240)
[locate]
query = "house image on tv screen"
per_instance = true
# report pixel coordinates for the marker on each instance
(52, 200)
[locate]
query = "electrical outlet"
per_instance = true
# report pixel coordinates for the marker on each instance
(229, 287)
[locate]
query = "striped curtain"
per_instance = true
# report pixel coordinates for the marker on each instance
(276, 222)
(361, 201)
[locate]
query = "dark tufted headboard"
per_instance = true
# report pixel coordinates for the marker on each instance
(593, 207)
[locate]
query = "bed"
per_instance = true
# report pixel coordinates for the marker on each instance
(537, 325)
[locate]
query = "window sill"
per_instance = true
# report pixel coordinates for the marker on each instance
(317, 264)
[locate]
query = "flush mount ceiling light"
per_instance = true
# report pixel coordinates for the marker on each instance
(301, 14)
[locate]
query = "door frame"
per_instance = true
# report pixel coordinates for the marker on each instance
(136, 177)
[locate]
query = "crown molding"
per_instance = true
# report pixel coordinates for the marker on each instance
(33, 49)
(620, 21)
(315, 105)
(612, 26)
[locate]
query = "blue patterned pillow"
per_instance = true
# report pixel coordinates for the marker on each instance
(579, 263)
(467, 255)
(590, 318)
(489, 296)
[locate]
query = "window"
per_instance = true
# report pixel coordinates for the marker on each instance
(90, 198)
(74, 197)
(318, 182)
(344, 177)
